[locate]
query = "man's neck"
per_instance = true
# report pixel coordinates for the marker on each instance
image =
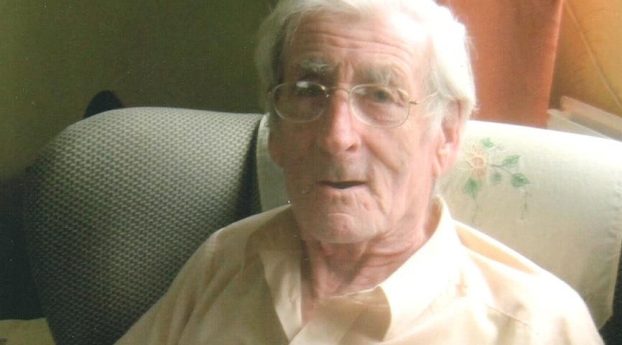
(330, 270)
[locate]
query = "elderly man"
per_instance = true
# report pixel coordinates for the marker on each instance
(367, 102)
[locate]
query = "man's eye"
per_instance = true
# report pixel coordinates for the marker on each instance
(308, 89)
(379, 95)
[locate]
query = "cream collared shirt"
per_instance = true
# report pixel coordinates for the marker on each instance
(243, 286)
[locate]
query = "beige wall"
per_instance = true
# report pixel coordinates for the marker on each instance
(589, 59)
(55, 56)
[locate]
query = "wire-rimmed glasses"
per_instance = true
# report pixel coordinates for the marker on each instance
(374, 104)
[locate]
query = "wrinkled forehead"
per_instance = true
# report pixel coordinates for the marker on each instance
(327, 70)
(384, 44)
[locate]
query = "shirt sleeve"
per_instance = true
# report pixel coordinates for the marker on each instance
(572, 324)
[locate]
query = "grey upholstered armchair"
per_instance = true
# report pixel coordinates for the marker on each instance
(118, 202)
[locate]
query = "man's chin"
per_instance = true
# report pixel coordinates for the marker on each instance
(340, 228)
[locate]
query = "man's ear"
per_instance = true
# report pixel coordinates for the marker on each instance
(450, 138)
(275, 150)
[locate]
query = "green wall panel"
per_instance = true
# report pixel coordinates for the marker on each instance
(55, 56)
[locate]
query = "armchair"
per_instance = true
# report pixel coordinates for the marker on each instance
(117, 203)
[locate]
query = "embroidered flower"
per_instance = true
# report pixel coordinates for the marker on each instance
(484, 166)
(478, 161)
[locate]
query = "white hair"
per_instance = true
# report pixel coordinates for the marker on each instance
(449, 81)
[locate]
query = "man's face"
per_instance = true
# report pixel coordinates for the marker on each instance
(349, 182)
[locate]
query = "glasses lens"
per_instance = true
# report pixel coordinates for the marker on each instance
(301, 101)
(379, 105)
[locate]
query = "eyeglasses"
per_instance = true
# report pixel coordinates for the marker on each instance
(373, 104)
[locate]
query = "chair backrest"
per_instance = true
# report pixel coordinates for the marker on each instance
(118, 202)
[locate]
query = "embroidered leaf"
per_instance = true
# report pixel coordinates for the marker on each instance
(510, 161)
(519, 180)
(496, 178)
(472, 188)
(487, 143)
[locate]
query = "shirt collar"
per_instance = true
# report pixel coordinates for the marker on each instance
(400, 299)
(277, 244)
(427, 274)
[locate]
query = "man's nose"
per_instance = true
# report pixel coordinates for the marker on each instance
(339, 131)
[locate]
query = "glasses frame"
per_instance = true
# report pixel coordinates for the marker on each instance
(328, 91)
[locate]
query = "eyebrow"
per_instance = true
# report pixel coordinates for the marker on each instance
(386, 74)
(383, 74)
(315, 66)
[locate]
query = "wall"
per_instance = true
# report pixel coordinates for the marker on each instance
(55, 56)
(589, 60)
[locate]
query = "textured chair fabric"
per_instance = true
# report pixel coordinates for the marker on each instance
(555, 197)
(118, 202)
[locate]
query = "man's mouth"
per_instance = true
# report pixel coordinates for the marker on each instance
(341, 184)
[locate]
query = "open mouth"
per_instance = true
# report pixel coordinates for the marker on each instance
(342, 184)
